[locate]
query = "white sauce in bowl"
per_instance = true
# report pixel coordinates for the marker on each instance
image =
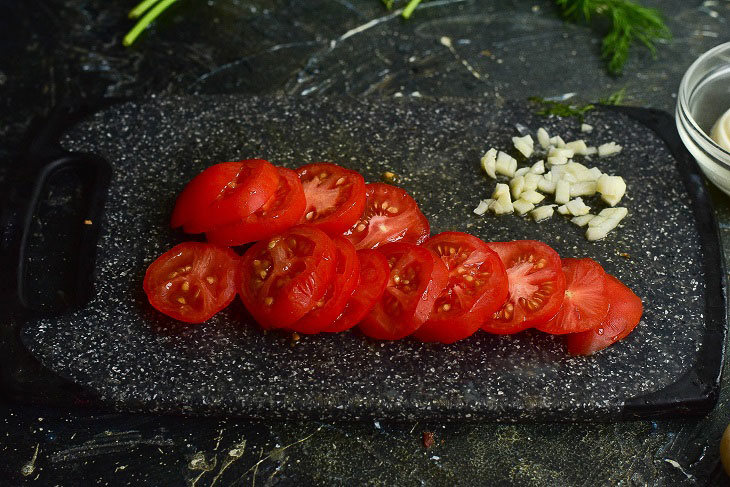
(721, 131)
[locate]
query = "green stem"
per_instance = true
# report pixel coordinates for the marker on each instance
(410, 8)
(145, 21)
(141, 8)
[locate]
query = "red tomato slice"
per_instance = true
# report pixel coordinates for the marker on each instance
(477, 288)
(280, 212)
(192, 281)
(624, 313)
(338, 293)
(536, 286)
(390, 215)
(282, 278)
(585, 303)
(374, 274)
(335, 196)
(223, 194)
(417, 277)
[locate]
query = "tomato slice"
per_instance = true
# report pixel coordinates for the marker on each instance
(417, 277)
(338, 293)
(283, 277)
(335, 196)
(585, 303)
(536, 286)
(624, 313)
(192, 281)
(477, 288)
(280, 212)
(223, 194)
(374, 274)
(390, 215)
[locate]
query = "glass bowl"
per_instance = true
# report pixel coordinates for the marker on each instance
(704, 95)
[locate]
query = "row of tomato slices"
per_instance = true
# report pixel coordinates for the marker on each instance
(332, 252)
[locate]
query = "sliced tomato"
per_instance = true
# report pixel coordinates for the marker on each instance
(224, 193)
(477, 288)
(624, 313)
(374, 274)
(390, 215)
(338, 293)
(585, 303)
(335, 196)
(279, 213)
(192, 281)
(417, 277)
(282, 278)
(536, 286)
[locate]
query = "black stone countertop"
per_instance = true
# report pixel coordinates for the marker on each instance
(53, 50)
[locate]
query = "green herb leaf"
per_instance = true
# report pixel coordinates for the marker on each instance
(149, 17)
(630, 23)
(615, 98)
(560, 109)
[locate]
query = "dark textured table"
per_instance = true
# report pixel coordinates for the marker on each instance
(55, 50)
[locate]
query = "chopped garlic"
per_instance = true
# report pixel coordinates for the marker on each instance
(500, 190)
(546, 186)
(577, 146)
(538, 167)
(582, 220)
(608, 149)
(531, 181)
(575, 168)
(614, 213)
(564, 153)
(489, 163)
(502, 203)
(521, 171)
(612, 188)
(596, 221)
(482, 207)
(595, 233)
(584, 127)
(583, 188)
(594, 174)
(521, 206)
(506, 164)
(591, 151)
(576, 207)
(532, 196)
(557, 141)
(524, 144)
(557, 161)
(543, 138)
(562, 192)
(542, 213)
(517, 186)
(569, 178)
(563, 210)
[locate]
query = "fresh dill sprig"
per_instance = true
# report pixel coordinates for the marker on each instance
(630, 23)
(560, 109)
(615, 98)
(407, 10)
(154, 9)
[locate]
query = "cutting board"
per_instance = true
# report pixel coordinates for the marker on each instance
(131, 358)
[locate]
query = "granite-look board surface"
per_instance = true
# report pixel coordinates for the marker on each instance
(137, 359)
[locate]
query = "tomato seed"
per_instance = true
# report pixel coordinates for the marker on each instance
(186, 286)
(181, 300)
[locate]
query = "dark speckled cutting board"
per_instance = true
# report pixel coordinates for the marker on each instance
(135, 359)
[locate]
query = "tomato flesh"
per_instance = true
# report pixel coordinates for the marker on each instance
(624, 313)
(338, 293)
(283, 277)
(335, 196)
(417, 277)
(280, 212)
(536, 286)
(374, 273)
(390, 215)
(224, 193)
(192, 281)
(477, 288)
(585, 303)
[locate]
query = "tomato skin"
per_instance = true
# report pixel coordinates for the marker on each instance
(390, 215)
(280, 212)
(282, 278)
(338, 293)
(335, 196)
(624, 313)
(585, 303)
(192, 281)
(224, 193)
(417, 277)
(477, 288)
(374, 274)
(534, 270)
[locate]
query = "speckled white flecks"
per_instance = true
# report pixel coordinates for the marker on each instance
(139, 360)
